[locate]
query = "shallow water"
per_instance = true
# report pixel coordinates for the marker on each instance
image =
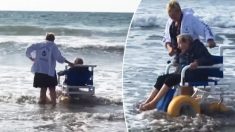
(76, 37)
(145, 58)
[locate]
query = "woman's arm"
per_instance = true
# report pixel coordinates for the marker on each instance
(57, 55)
(167, 38)
(29, 50)
(166, 35)
(61, 59)
(203, 30)
(69, 63)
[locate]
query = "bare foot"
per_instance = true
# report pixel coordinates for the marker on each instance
(53, 103)
(42, 102)
(148, 106)
(140, 105)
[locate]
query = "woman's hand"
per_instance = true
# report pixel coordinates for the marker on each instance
(71, 64)
(32, 59)
(142, 107)
(194, 65)
(170, 50)
(148, 106)
(211, 43)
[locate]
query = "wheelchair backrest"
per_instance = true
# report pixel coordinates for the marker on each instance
(79, 76)
(210, 72)
(216, 72)
(217, 59)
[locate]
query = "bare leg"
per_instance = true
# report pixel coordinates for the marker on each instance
(150, 98)
(43, 96)
(152, 104)
(152, 95)
(53, 95)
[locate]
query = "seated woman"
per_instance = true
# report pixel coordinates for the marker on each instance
(76, 76)
(77, 61)
(192, 53)
(65, 98)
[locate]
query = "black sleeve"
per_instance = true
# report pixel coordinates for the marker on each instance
(176, 59)
(202, 55)
(61, 73)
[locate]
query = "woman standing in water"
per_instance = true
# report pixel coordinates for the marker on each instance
(44, 64)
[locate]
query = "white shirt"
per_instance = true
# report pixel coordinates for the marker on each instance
(189, 25)
(46, 55)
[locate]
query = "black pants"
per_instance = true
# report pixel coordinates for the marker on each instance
(44, 81)
(197, 75)
(168, 79)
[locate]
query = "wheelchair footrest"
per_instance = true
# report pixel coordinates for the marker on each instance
(165, 100)
(79, 90)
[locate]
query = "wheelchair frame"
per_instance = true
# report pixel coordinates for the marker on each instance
(90, 89)
(205, 94)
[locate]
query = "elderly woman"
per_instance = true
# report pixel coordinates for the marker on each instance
(183, 21)
(193, 53)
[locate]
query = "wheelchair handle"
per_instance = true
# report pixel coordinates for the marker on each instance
(199, 67)
(223, 47)
(168, 67)
(80, 65)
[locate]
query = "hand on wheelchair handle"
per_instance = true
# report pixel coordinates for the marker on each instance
(211, 43)
(193, 65)
(32, 59)
(71, 64)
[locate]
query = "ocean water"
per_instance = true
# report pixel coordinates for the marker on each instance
(98, 38)
(145, 59)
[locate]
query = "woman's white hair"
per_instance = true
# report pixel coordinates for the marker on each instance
(185, 37)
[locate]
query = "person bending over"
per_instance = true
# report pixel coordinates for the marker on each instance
(193, 53)
(182, 21)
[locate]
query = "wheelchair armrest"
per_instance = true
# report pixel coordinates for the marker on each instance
(167, 70)
(80, 65)
(199, 67)
(168, 67)
(223, 47)
(58, 79)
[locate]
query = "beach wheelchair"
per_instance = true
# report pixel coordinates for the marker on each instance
(78, 81)
(175, 104)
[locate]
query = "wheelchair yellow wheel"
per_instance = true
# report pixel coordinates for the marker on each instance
(64, 99)
(183, 105)
(217, 107)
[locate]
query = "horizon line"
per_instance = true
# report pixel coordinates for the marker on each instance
(68, 11)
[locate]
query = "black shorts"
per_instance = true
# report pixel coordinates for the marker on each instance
(168, 79)
(44, 81)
